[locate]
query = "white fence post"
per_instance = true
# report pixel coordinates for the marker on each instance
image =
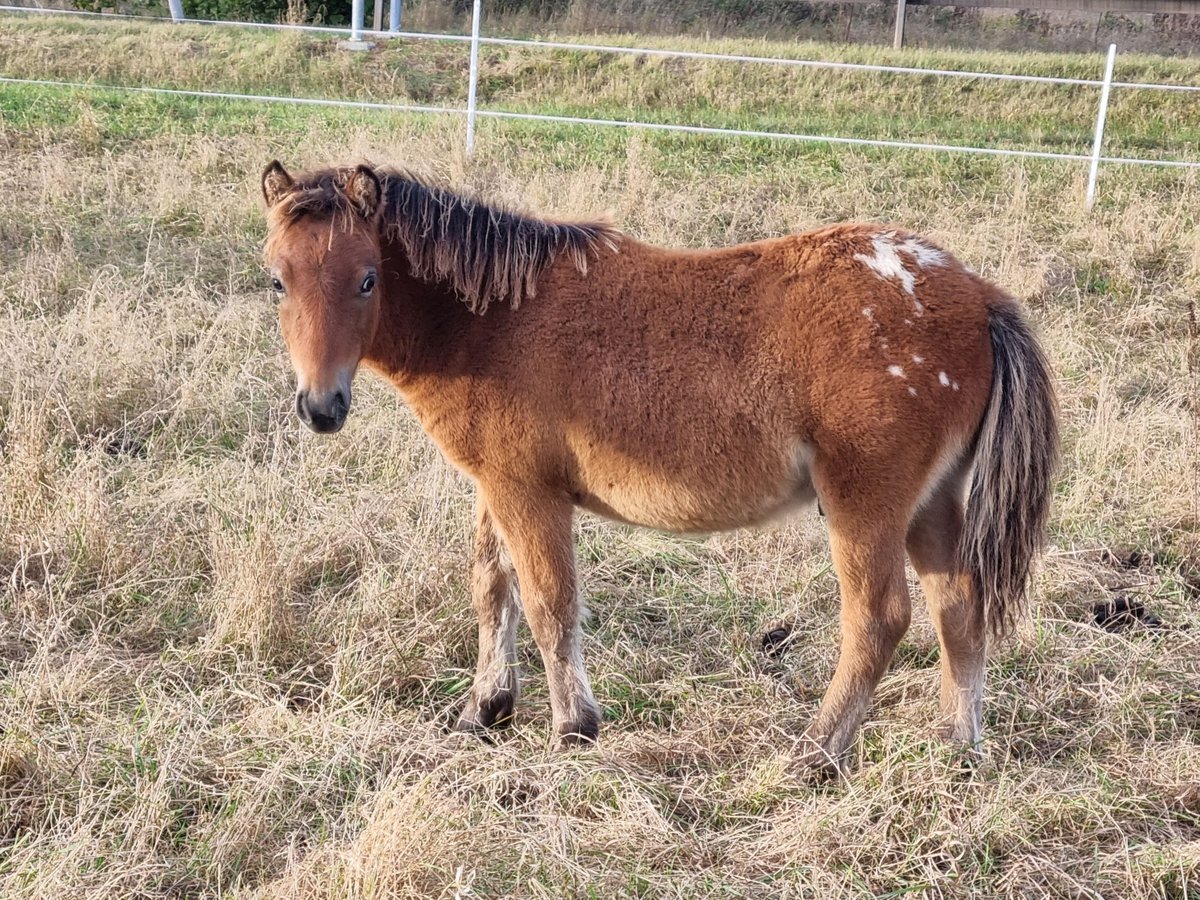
(476, 14)
(394, 16)
(1098, 140)
(356, 21)
(176, 10)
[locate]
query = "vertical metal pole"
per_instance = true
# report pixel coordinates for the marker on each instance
(1098, 140)
(176, 10)
(377, 16)
(356, 21)
(476, 14)
(394, 13)
(898, 39)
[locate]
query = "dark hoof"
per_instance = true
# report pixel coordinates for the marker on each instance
(816, 772)
(494, 712)
(582, 733)
(816, 766)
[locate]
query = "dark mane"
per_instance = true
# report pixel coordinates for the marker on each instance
(484, 252)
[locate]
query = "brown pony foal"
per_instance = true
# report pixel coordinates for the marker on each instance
(686, 390)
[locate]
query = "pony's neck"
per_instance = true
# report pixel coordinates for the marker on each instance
(422, 326)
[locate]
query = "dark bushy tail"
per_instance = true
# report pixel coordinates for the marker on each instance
(1015, 456)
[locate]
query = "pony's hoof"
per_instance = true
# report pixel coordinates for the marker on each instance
(815, 765)
(964, 755)
(584, 732)
(496, 711)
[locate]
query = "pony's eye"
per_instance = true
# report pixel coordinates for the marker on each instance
(277, 285)
(368, 284)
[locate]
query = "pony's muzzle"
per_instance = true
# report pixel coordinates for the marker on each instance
(323, 413)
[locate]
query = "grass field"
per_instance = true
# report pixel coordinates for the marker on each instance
(229, 648)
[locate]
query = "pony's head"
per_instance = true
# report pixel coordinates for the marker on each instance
(323, 255)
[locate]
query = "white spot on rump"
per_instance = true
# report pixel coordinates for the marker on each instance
(918, 359)
(913, 391)
(924, 254)
(895, 371)
(944, 379)
(955, 385)
(886, 262)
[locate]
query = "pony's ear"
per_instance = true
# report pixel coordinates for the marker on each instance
(275, 183)
(364, 191)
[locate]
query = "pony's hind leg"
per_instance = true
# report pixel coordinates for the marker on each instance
(494, 595)
(536, 528)
(868, 556)
(957, 614)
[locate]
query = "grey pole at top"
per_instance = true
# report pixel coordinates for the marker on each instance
(394, 15)
(476, 14)
(356, 21)
(898, 38)
(176, 10)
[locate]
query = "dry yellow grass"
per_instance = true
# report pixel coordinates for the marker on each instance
(228, 648)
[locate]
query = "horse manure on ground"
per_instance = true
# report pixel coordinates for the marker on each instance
(777, 641)
(1123, 613)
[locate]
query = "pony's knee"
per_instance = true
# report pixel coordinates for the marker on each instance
(891, 622)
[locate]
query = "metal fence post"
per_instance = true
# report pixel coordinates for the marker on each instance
(1098, 140)
(356, 21)
(476, 14)
(176, 10)
(898, 39)
(394, 15)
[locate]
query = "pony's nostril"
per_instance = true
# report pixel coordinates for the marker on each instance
(302, 407)
(339, 403)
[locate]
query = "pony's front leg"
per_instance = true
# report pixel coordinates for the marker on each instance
(536, 528)
(494, 595)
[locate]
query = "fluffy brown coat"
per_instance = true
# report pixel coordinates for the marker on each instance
(686, 390)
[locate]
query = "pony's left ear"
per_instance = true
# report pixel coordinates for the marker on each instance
(275, 182)
(364, 191)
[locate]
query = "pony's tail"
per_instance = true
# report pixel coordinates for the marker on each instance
(1016, 452)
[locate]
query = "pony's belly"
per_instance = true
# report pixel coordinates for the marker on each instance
(705, 502)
